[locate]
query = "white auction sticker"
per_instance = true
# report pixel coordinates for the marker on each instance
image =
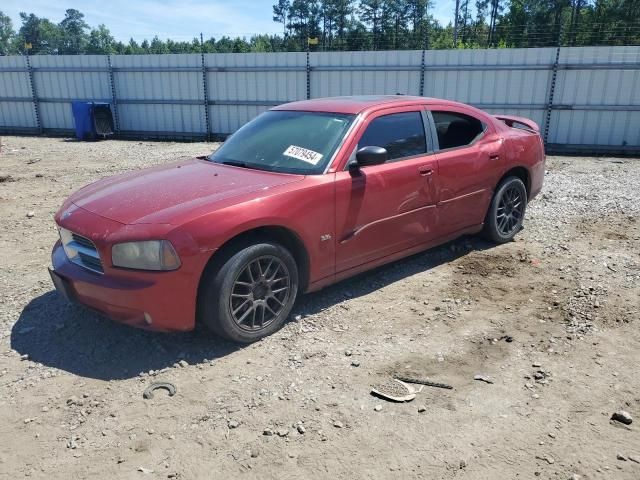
(303, 154)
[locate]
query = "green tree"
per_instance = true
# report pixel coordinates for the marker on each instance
(281, 14)
(40, 33)
(7, 35)
(74, 38)
(101, 42)
(371, 13)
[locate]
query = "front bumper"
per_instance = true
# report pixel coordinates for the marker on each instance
(161, 301)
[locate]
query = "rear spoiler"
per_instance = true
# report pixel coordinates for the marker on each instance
(519, 122)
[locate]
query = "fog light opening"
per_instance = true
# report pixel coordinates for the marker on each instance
(147, 318)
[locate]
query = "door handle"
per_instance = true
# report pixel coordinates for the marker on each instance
(425, 171)
(494, 156)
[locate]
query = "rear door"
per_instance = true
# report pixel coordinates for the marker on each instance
(390, 207)
(470, 155)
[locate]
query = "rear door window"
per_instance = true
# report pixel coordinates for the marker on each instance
(456, 130)
(401, 134)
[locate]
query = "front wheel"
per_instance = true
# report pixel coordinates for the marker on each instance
(506, 212)
(251, 295)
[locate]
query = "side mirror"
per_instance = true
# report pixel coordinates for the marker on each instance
(370, 155)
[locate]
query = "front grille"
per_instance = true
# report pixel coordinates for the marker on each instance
(85, 242)
(81, 251)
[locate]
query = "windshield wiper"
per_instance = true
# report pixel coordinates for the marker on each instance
(235, 163)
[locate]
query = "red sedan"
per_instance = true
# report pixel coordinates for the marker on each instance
(304, 195)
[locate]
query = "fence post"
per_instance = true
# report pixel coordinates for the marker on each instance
(422, 75)
(114, 98)
(308, 75)
(205, 90)
(552, 88)
(34, 95)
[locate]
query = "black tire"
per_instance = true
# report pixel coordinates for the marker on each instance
(506, 212)
(221, 312)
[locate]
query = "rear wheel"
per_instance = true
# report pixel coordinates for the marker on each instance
(506, 212)
(251, 295)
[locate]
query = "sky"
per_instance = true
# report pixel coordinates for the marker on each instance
(175, 19)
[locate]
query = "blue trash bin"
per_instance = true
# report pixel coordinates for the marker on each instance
(92, 119)
(83, 120)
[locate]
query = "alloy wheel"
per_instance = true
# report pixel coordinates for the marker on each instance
(510, 211)
(260, 292)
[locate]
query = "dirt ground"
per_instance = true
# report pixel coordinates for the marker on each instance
(551, 319)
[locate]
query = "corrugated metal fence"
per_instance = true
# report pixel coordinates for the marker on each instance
(585, 98)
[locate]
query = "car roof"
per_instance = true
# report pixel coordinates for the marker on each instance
(359, 103)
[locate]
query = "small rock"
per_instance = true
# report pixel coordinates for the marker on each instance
(377, 408)
(31, 214)
(355, 364)
(622, 416)
(254, 453)
(233, 424)
(73, 400)
(183, 363)
(283, 432)
(24, 357)
(634, 458)
(463, 463)
(301, 429)
(145, 470)
(348, 353)
(338, 424)
(619, 456)
(267, 432)
(422, 408)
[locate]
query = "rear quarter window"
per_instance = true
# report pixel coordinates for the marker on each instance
(456, 130)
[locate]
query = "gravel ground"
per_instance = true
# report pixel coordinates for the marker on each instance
(551, 319)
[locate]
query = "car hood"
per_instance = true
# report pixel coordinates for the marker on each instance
(166, 194)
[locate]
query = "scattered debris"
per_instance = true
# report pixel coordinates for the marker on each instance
(148, 393)
(394, 390)
(622, 416)
(7, 178)
(547, 458)
(482, 378)
(422, 381)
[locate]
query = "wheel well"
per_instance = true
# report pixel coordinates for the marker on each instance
(281, 235)
(520, 172)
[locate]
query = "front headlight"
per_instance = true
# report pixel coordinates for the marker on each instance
(147, 255)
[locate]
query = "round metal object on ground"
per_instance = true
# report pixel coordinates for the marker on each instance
(260, 292)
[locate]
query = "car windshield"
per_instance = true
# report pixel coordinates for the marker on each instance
(286, 142)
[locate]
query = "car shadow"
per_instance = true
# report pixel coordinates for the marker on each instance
(74, 339)
(367, 282)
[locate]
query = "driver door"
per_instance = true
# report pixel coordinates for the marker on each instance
(384, 209)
